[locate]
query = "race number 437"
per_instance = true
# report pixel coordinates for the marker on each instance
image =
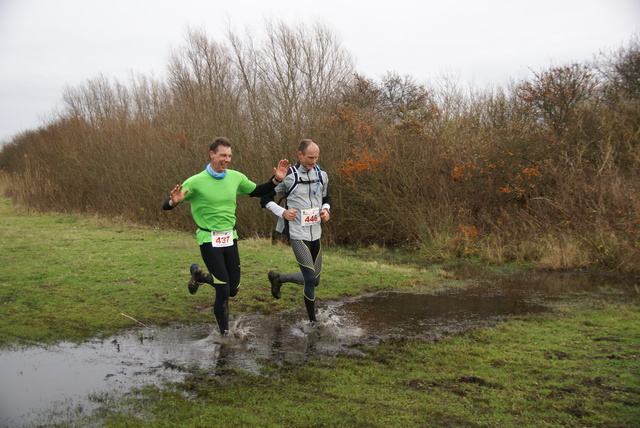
(222, 238)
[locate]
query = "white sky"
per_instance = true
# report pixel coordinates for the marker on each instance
(46, 45)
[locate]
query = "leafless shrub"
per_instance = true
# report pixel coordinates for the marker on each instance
(546, 169)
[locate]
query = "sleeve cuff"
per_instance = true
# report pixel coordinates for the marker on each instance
(275, 208)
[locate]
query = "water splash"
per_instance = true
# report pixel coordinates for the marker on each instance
(35, 380)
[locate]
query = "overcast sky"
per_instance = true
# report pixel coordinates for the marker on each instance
(46, 45)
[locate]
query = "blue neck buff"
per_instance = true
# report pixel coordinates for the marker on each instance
(216, 175)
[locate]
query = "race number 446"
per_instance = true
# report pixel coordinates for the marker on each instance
(310, 216)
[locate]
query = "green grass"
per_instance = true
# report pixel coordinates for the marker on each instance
(70, 278)
(65, 277)
(568, 369)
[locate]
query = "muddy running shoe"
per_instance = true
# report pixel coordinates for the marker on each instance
(274, 279)
(193, 283)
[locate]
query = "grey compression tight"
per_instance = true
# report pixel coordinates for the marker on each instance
(309, 257)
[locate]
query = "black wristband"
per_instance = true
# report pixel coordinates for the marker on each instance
(166, 206)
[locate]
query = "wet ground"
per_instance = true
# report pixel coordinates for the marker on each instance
(40, 385)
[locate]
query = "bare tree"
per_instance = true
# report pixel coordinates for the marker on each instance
(291, 77)
(557, 92)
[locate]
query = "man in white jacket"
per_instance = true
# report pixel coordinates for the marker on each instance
(306, 189)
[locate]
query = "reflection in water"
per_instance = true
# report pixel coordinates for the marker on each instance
(78, 376)
(411, 315)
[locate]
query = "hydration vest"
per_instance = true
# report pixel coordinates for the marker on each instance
(296, 179)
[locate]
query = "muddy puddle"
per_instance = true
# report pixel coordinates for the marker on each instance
(41, 385)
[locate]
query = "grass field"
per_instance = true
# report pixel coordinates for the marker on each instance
(68, 277)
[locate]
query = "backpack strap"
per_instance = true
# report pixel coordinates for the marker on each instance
(318, 173)
(296, 180)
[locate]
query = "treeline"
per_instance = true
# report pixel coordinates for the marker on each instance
(543, 170)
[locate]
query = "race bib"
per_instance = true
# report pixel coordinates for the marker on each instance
(310, 216)
(222, 239)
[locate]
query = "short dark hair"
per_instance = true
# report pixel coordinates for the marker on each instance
(220, 141)
(302, 147)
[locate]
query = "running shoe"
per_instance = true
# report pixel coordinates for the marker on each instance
(274, 279)
(193, 283)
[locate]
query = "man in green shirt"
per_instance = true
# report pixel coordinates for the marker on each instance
(212, 195)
